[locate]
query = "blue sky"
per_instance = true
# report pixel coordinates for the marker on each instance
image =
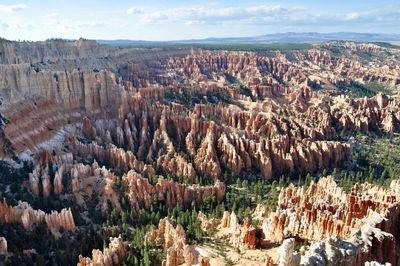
(171, 20)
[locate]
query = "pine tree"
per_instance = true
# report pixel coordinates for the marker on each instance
(299, 180)
(281, 181)
(308, 180)
(146, 259)
(334, 173)
(324, 173)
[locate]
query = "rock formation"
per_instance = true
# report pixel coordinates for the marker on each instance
(3, 246)
(141, 193)
(26, 216)
(287, 255)
(243, 235)
(106, 122)
(40, 173)
(199, 140)
(298, 208)
(368, 243)
(173, 239)
(348, 228)
(112, 255)
(276, 128)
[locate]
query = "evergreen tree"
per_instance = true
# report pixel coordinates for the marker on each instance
(308, 180)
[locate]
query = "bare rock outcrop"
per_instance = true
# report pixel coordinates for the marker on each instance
(26, 216)
(241, 235)
(349, 228)
(368, 243)
(3, 246)
(173, 239)
(112, 255)
(287, 255)
(141, 193)
(57, 102)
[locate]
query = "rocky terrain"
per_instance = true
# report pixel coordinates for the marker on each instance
(160, 156)
(340, 228)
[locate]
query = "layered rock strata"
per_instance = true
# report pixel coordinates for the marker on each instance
(27, 217)
(141, 193)
(241, 235)
(173, 239)
(349, 228)
(112, 255)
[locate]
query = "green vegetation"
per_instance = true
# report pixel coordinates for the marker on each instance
(245, 90)
(357, 90)
(12, 191)
(190, 99)
(387, 45)
(49, 250)
(378, 161)
(134, 225)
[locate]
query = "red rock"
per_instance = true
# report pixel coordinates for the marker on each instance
(25, 215)
(324, 212)
(174, 241)
(114, 254)
(141, 193)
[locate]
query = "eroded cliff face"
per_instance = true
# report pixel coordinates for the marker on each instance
(241, 235)
(349, 228)
(265, 125)
(112, 255)
(46, 86)
(141, 193)
(49, 51)
(26, 216)
(340, 228)
(51, 102)
(101, 125)
(173, 239)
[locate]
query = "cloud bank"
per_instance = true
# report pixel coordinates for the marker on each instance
(12, 8)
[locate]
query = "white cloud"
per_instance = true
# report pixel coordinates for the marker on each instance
(207, 15)
(27, 26)
(51, 15)
(12, 8)
(4, 25)
(280, 16)
(69, 24)
(195, 22)
(186, 21)
(134, 10)
(352, 16)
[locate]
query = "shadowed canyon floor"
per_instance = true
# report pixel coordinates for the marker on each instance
(177, 156)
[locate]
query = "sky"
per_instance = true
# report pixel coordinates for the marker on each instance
(177, 20)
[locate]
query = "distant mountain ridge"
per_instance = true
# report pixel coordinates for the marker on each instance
(287, 37)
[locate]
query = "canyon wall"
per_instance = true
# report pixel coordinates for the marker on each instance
(50, 51)
(112, 255)
(27, 217)
(141, 193)
(173, 239)
(348, 228)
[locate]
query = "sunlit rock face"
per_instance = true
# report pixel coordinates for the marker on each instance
(107, 128)
(173, 239)
(26, 216)
(3, 246)
(112, 255)
(348, 228)
(141, 193)
(270, 126)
